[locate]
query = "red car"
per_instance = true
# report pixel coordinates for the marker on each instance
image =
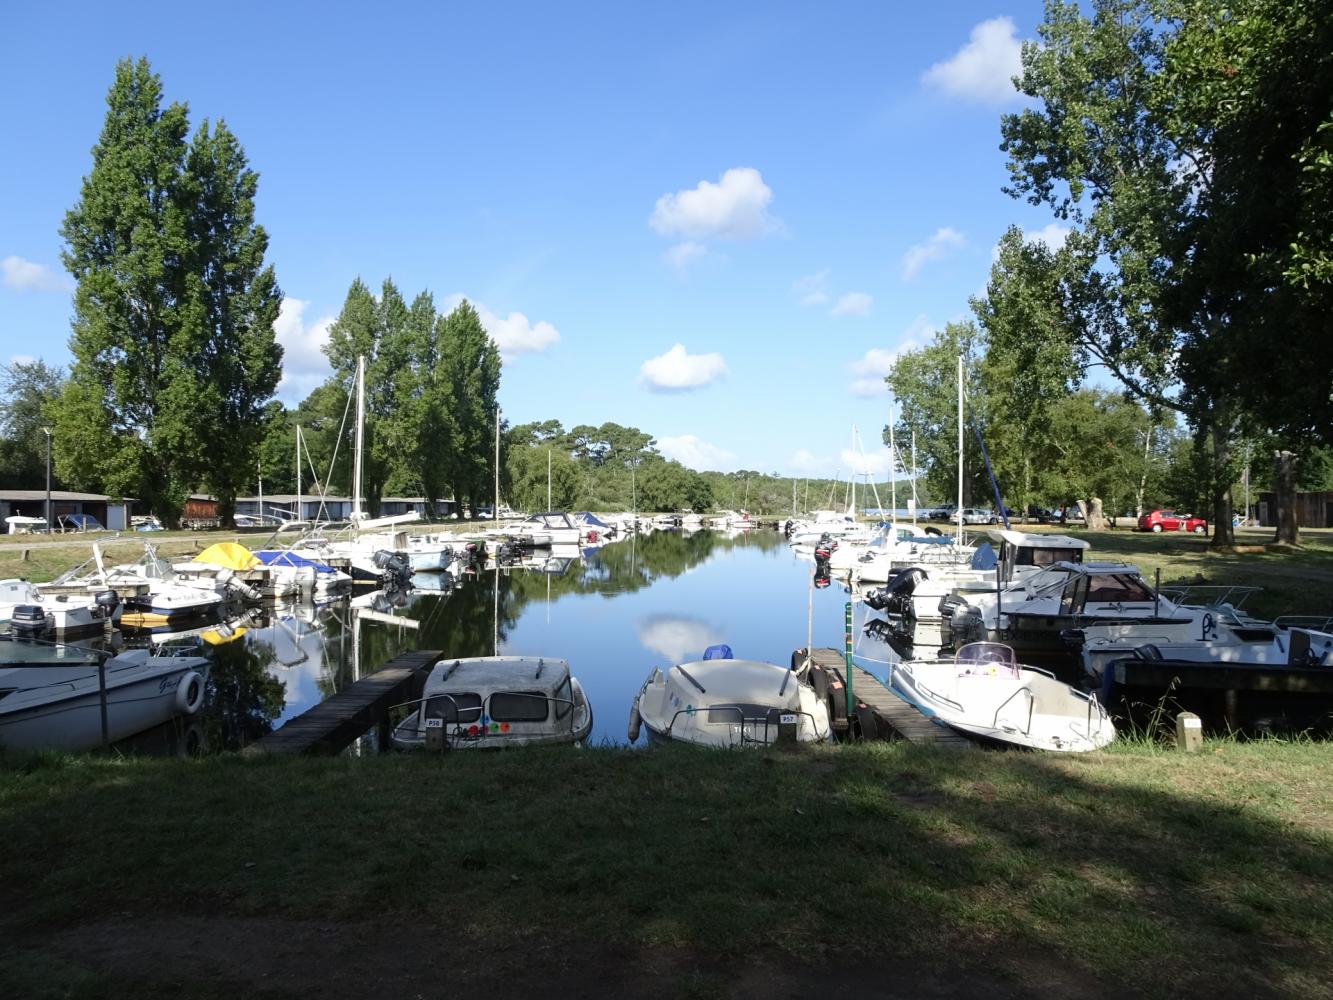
(1169, 520)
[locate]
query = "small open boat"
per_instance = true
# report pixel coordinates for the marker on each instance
(721, 701)
(496, 701)
(985, 694)
(50, 693)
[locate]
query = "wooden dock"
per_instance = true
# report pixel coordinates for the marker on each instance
(332, 725)
(880, 714)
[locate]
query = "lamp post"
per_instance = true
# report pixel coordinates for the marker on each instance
(49, 524)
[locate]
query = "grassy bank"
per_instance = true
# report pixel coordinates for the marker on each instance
(889, 868)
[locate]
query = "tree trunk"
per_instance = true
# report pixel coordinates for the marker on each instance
(1223, 535)
(1096, 521)
(227, 510)
(1284, 492)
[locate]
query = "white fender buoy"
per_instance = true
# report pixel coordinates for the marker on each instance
(634, 721)
(189, 693)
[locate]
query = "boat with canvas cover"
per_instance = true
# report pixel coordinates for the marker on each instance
(50, 693)
(985, 694)
(495, 702)
(721, 701)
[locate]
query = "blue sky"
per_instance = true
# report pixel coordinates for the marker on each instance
(713, 222)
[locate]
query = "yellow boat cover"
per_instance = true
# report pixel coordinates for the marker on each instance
(229, 555)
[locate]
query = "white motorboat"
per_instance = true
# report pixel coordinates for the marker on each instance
(552, 527)
(496, 701)
(721, 701)
(594, 529)
(1216, 643)
(308, 575)
(985, 694)
(50, 694)
(23, 606)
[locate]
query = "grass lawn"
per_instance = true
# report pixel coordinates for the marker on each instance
(880, 870)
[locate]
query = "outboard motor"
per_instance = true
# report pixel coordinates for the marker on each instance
(106, 601)
(895, 599)
(822, 580)
(28, 620)
(392, 564)
(896, 634)
(787, 527)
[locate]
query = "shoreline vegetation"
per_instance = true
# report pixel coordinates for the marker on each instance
(892, 869)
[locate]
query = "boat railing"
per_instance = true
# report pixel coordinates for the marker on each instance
(751, 722)
(1222, 596)
(484, 726)
(1319, 623)
(1032, 702)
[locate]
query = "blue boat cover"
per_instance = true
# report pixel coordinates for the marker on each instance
(721, 651)
(272, 557)
(984, 557)
(592, 519)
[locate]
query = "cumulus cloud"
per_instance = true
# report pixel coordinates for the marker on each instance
(304, 365)
(852, 304)
(873, 367)
(678, 638)
(944, 241)
(677, 370)
(984, 68)
(735, 208)
(29, 276)
(695, 454)
(682, 255)
(514, 334)
(812, 290)
(1052, 234)
(875, 463)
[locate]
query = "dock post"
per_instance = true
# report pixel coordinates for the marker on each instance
(1189, 731)
(847, 656)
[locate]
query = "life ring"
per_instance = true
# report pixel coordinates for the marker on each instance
(189, 693)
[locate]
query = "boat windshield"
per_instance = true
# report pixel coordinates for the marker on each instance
(1118, 587)
(462, 707)
(993, 659)
(519, 706)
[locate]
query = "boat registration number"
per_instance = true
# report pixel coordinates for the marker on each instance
(434, 723)
(787, 720)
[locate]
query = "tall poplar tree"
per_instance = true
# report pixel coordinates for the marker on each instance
(172, 335)
(473, 366)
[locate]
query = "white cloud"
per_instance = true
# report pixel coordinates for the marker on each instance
(514, 334)
(22, 359)
(812, 290)
(1052, 234)
(682, 255)
(28, 276)
(875, 462)
(984, 68)
(941, 244)
(804, 460)
(735, 208)
(872, 367)
(304, 365)
(852, 304)
(677, 370)
(695, 454)
(678, 638)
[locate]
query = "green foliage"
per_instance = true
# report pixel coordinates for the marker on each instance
(29, 389)
(174, 353)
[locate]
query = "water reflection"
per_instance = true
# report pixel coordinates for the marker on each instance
(612, 612)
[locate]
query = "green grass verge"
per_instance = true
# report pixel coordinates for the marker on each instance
(1136, 866)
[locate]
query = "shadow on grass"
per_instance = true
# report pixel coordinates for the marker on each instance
(1132, 872)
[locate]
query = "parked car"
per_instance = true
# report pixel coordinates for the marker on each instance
(942, 512)
(974, 515)
(78, 522)
(1042, 515)
(1169, 520)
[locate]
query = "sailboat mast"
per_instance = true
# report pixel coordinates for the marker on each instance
(360, 435)
(893, 467)
(913, 477)
(495, 513)
(960, 449)
(300, 505)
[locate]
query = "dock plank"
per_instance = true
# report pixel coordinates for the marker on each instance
(891, 712)
(332, 725)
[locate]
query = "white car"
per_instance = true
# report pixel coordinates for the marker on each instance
(974, 515)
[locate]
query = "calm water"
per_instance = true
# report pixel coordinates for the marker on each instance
(613, 613)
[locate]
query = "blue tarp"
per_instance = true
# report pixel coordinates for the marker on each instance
(274, 557)
(592, 519)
